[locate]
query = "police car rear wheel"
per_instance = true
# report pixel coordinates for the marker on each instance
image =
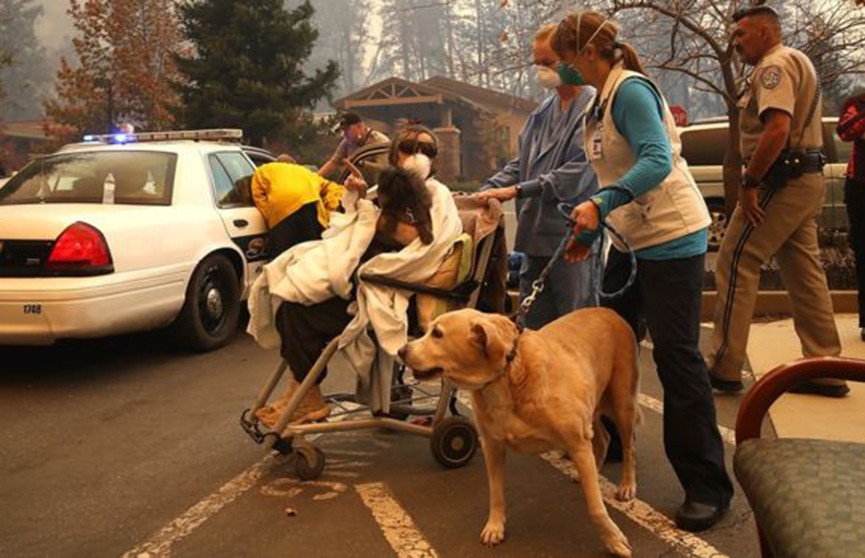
(211, 311)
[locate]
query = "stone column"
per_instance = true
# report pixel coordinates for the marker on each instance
(450, 153)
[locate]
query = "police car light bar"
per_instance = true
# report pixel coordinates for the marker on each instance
(217, 134)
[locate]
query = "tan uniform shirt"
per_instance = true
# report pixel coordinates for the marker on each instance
(784, 79)
(345, 149)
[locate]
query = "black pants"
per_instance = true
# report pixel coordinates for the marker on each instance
(300, 226)
(854, 197)
(306, 330)
(668, 293)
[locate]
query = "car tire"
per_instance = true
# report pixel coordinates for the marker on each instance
(718, 226)
(211, 311)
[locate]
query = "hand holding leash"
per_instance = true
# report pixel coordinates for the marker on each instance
(585, 216)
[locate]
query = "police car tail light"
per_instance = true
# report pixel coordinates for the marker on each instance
(80, 249)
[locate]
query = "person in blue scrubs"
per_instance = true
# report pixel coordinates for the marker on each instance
(648, 194)
(551, 167)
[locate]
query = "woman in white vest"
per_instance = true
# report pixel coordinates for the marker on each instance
(649, 196)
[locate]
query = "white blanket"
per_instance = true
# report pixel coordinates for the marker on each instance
(315, 271)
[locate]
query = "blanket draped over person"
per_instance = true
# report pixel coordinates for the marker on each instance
(315, 271)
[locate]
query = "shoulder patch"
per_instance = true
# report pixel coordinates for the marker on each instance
(770, 77)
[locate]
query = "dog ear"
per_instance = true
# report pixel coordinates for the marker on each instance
(488, 338)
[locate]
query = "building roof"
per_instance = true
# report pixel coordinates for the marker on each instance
(481, 95)
(438, 89)
(24, 129)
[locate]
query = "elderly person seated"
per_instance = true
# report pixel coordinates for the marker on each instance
(317, 290)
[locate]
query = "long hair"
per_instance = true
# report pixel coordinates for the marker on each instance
(564, 41)
(403, 196)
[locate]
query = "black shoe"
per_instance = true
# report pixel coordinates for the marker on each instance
(694, 516)
(725, 386)
(826, 390)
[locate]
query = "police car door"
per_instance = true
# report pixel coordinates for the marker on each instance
(232, 176)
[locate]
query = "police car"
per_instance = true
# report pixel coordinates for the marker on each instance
(129, 233)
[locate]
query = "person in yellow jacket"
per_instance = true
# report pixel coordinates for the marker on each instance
(295, 202)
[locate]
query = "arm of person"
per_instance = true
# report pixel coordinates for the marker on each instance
(851, 124)
(259, 195)
(775, 134)
(335, 160)
(574, 179)
(331, 194)
(638, 113)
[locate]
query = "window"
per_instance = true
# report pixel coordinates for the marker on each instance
(704, 147)
(232, 178)
(139, 177)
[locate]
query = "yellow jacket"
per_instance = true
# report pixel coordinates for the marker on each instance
(280, 189)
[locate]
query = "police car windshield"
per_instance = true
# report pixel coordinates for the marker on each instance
(115, 177)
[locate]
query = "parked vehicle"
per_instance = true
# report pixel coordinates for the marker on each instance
(107, 237)
(704, 145)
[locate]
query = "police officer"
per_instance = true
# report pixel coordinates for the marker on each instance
(782, 193)
(356, 134)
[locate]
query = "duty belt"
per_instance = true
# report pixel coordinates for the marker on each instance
(808, 161)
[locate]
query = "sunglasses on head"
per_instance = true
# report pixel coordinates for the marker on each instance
(412, 146)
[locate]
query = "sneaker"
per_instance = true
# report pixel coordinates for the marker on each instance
(826, 390)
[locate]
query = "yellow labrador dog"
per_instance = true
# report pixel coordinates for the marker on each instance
(540, 390)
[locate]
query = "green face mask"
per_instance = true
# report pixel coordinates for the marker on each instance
(569, 75)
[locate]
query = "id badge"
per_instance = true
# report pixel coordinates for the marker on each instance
(596, 145)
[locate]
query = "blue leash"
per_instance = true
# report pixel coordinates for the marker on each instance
(538, 285)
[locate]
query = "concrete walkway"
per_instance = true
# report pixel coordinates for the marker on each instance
(809, 416)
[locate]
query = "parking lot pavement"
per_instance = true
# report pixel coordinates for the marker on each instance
(122, 448)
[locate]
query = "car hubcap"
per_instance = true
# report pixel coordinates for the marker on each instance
(212, 303)
(717, 228)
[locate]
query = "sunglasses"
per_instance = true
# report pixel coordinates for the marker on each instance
(412, 146)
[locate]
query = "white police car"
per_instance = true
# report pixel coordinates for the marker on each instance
(130, 233)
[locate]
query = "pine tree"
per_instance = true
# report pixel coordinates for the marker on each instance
(24, 76)
(247, 69)
(125, 70)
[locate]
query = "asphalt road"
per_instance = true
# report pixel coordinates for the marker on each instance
(125, 447)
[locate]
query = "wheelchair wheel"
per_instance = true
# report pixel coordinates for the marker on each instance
(454, 442)
(309, 463)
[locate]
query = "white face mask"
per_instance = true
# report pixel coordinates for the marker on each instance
(418, 164)
(548, 78)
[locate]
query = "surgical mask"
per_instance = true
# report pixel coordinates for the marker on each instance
(568, 74)
(418, 164)
(548, 78)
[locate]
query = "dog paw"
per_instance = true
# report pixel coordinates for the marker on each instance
(493, 533)
(626, 491)
(617, 544)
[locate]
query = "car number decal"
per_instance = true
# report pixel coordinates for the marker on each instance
(32, 308)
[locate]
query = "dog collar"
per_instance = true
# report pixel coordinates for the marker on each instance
(513, 354)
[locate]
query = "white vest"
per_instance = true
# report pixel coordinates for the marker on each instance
(672, 209)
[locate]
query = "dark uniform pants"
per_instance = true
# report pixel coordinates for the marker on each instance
(789, 231)
(667, 293)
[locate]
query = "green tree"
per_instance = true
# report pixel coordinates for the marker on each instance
(246, 70)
